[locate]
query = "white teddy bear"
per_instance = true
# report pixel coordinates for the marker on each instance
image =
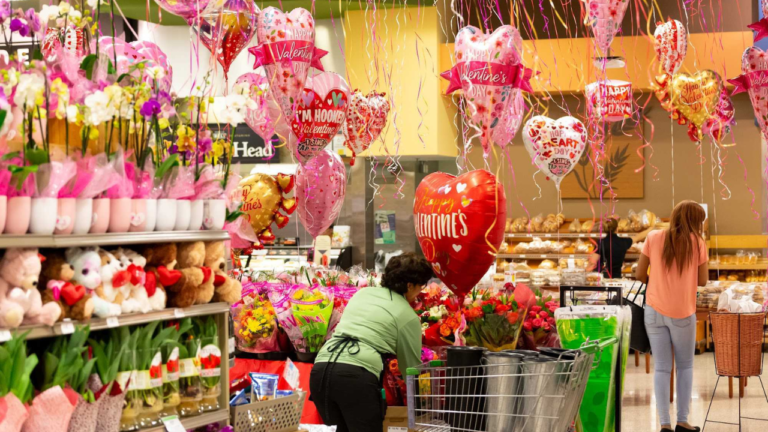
(87, 264)
(137, 298)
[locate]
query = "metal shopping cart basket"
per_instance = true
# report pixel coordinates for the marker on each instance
(507, 393)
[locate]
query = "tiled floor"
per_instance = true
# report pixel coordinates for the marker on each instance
(639, 413)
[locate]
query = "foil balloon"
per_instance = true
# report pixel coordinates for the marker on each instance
(73, 41)
(489, 73)
(459, 224)
(754, 80)
(321, 110)
(263, 120)
(761, 27)
(287, 51)
(510, 122)
(695, 97)
(129, 55)
(263, 197)
(321, 185)
(671, 45)
(227, 32)
(721, 121)
(610, 100)
(187, 9)
(555, 145)
(605, 16)
(366, 117)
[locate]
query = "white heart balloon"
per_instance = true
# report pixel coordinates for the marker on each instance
(555, 146)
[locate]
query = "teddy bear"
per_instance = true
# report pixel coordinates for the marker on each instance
(56, 284)
(141, 294)
(226, 289)
(20, 301)
(160, 267)
(195, 285)
(87, 265)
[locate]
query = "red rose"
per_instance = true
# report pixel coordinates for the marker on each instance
(536, 308)
(512, 317)
(532, 314)
(537, 323)
(551, 321)
(546, 326)
(543, 314)
(502, 308)
(527, 326)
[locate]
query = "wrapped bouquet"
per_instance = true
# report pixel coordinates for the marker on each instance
(442, 322)
(494, 321)
(255, 321)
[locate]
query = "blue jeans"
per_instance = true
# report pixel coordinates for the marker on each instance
(666, 333)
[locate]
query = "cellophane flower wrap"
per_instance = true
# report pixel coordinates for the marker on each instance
(395, 391)
(143, 178)
(123, 187)
(52, 177)
(279, 295)
(312, 307)
(111, 406)
(180, 183)
(95, 174)
(494, 321)
(208, 185)
(342, 293)
(15, 414)
(86, 415)
(22, 178)
(255, 321)
(442, 323)
(51, 410)
(539, 326)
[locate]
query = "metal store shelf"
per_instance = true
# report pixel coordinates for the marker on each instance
(197, 421)
(108, 239)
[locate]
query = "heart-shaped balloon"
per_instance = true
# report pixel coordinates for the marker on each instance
(187, 9)
(366, 117)
(287, 51)
(489, 73)
(265, 118)
(262, 198)
(321, 110)
(605, 16)
(73, 41)
(321, 185)
(510, 122)
(460, 225)
(720, 123)
(761, 27)
(130, 54)
(671, 45)
(555, 145)
(696, 96)
(225, 33)
(754, 80)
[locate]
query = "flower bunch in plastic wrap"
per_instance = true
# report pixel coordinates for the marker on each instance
(442, 322)
(539, 327)
(494, 321)
(255, 321)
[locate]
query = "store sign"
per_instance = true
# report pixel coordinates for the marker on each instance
(22, 51)
(248, 147)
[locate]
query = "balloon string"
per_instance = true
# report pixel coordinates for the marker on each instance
(751, 192)
(496, 186)
(672, 134)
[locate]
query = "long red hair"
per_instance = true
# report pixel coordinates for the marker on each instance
(680, 246)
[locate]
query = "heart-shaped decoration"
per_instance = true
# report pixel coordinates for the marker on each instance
(321, 185)
(366, 117)
(63, 222)
(555, 146)
(261, 199)
(208, 222)
(289, 205)
(317, 122)
(754, 80)
(605, 16)
(72, 293)
(137, 218)
(229, 31)
(286, 182)
(696, 96)
(671, 45)
(460, 242)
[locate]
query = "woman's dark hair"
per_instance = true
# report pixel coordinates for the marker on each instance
(404, 269)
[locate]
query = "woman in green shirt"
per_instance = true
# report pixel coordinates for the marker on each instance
(346, 380)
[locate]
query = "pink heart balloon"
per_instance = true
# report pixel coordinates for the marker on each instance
(225, 33)
(605, 16)
(366, 117)
(510, 122)
(671, 45)
(754, 80)
(321, 185)
(555, 145)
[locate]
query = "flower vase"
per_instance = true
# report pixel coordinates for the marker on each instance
(83, 216)
(196, 215)
(148, 385)
(65, 216)
(51, 410)
(166, 215)
(138, 215)
(183, 209)
(210, 374)
(43, 216)
(151, 214)
(3, 211)
(100, 213)
(190, 391)
(86, 415)
(17, 219)
(214, 214)
(13, 413)
(119, 215)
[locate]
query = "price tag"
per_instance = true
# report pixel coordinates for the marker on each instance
(67, 327)
(113, 322)
(547, 235)
(522, 256)
(543, 256)
(572, 256)
(173, 424)
(5, 335)
(397, 429)
(291, 374)
(179, 313)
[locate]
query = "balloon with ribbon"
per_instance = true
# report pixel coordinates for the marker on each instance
(754, 81)
(263, 196)
(187, 9)
(321, 110)
(761, 27)
(366, 117)
(719, 125)
(510, 121)
(490, 75)
(555, 145)
(459, 224)
(694, 99)
(671, 45)
(610, 100)
(321, 185)
(225, 33)
(605, 16)
(287, 51)
(263, 119)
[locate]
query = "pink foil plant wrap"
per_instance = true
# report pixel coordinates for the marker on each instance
(94, 175)
(208, 186)
(53, 177)
(5, 179)
(123, 187)
(13, 414)
(180, 184)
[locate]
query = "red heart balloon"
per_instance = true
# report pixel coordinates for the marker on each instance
(460, 225)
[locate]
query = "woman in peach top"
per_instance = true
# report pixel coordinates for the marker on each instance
(677, 257)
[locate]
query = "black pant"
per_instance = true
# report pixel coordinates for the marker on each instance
(349, 397)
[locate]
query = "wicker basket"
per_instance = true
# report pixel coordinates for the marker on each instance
(277, 415)
(738, 339)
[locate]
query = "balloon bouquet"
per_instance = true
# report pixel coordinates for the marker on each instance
(754, 73)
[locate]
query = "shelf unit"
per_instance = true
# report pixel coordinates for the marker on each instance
(108, 239)
(541, 256)
(636, 237)
(198, 420)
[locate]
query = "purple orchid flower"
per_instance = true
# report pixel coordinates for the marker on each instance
(150, 108)
(33, 20)
(5, 10)
(204, 142)
(19, 27)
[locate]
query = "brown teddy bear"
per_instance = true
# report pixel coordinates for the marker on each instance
(226, 289)
(195, 284)
(160, 267)
(56, 285)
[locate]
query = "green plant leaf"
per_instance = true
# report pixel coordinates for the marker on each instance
(166, 165)
(9, 156)
(88, 63)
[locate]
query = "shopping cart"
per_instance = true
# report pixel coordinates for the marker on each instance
(521, 395)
